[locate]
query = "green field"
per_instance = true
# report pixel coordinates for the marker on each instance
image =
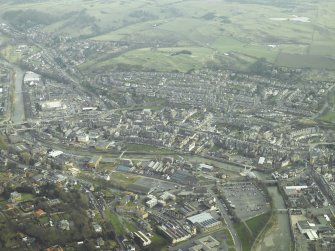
(148, 149)
(130, 226)
(117, 226)
(158, 243)
(249, 230)
(229, 33)
(3, 39)
(10, 54)
(244, 235)
(117, 179)
(257, 223)
(329, 115)
(3, 201)
(159, 59)
(229, 240)
(123, 179)
(306, 61)
(26, 196)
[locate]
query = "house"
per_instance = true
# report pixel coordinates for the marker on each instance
(64, 225)
(97, 227)
(55, 248)
(9, 206)
(39, 212)
(100, 242)
(15, 197)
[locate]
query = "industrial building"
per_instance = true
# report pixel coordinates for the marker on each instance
(152, 202)
(207, 243)
(308, 228)
(206, 168)
(204, 222)
(83, 138)
(141, 239)
(31, 78)
(52, 105)
(175, 232)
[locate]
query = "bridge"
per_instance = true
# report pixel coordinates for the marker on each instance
(281, 210)
(270, 182)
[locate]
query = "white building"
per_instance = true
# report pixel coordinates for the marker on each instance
(55, 153)
(204, 221)
(83, 138)
(308, 228)
(261, 160)
(167, 196)
(141, 238)
(31, 78)
(64, 225)
(52, 105)
(97, 228)
(152, 202)
(14, 197)
(205, 167)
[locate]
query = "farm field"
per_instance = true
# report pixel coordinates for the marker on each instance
(231, 33)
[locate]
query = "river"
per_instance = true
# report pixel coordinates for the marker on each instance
(278, 237)
(18, 113)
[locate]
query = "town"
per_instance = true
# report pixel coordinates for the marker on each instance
(146, 160)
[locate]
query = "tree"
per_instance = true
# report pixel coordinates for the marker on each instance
(25, 188)
(11, 165)
(260, 67)
(25, 157)
(3, 145)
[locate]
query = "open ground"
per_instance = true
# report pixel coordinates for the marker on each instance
(229, 33)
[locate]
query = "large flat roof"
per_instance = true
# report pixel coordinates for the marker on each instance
(31, 76)
(198, 218)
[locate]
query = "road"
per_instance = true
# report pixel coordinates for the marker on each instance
(228, 222)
